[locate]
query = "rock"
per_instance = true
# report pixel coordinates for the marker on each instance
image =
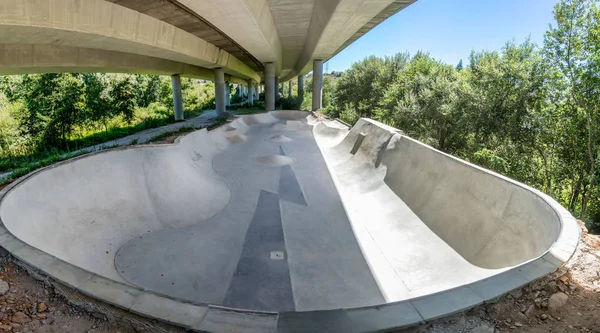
(557, 301)
(20, 318)
(544, 304)
(6, 328)
(551, 287)
(544, 316)
(518, 324)
(529, 313)
(521, 316)
(538, 302)
(42, 307)
(4, 287)
(39, 316)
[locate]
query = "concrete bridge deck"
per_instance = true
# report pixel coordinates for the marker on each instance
(284, 222)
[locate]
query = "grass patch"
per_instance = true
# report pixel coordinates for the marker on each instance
(24, 164)
(51, 159)
(147, 118)
(249, 110)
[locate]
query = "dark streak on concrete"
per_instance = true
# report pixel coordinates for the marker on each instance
(259, 282)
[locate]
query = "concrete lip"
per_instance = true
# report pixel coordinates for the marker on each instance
(337, 229)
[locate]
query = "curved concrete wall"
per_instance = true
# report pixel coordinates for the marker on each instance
(83, 211)
(491, 222)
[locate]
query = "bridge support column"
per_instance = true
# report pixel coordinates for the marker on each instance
(177, 98)
(270, 86)
(300, 85)
(317, 88)
(220, 88)
(290, 88)
(227, 94)
(276, 90)
(250, 92)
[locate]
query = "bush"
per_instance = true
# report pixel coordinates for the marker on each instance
(291, 103)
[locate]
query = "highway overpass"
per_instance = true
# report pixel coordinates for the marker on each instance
(244, 42)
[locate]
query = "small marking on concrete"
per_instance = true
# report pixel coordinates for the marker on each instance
(277, 255)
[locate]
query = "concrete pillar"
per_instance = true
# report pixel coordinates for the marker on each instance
(228, 94)
(270, 86)
(317, 88)
(276, 90)
(177, 98)
(250, 92)
(290, 88)
(238, 90)
(300, 85)
(220, 99)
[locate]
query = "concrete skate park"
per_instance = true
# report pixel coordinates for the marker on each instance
(281, 221)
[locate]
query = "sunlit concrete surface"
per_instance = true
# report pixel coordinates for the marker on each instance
(300, 224)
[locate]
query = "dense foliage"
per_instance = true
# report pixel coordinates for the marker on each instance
(47, 114)
(529, 112)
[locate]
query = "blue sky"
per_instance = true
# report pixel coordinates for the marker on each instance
(450, 29)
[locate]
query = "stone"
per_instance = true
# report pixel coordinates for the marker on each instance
(557, 301)
(42, 307)
(538, 302)
(551, 287)
(20, 318)
(4, 287)
(544, 316)
(5, 328)
(39, 316)
(544, 304)
(529, 312)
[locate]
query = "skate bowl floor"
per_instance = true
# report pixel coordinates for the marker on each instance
(282, 222)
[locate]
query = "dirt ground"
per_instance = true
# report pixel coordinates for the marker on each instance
(565, 301)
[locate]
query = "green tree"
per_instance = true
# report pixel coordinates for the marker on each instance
(66, 105)
(123, 98)
(573, 44)
(98, 101)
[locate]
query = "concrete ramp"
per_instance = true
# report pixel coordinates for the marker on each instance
(284, 222)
